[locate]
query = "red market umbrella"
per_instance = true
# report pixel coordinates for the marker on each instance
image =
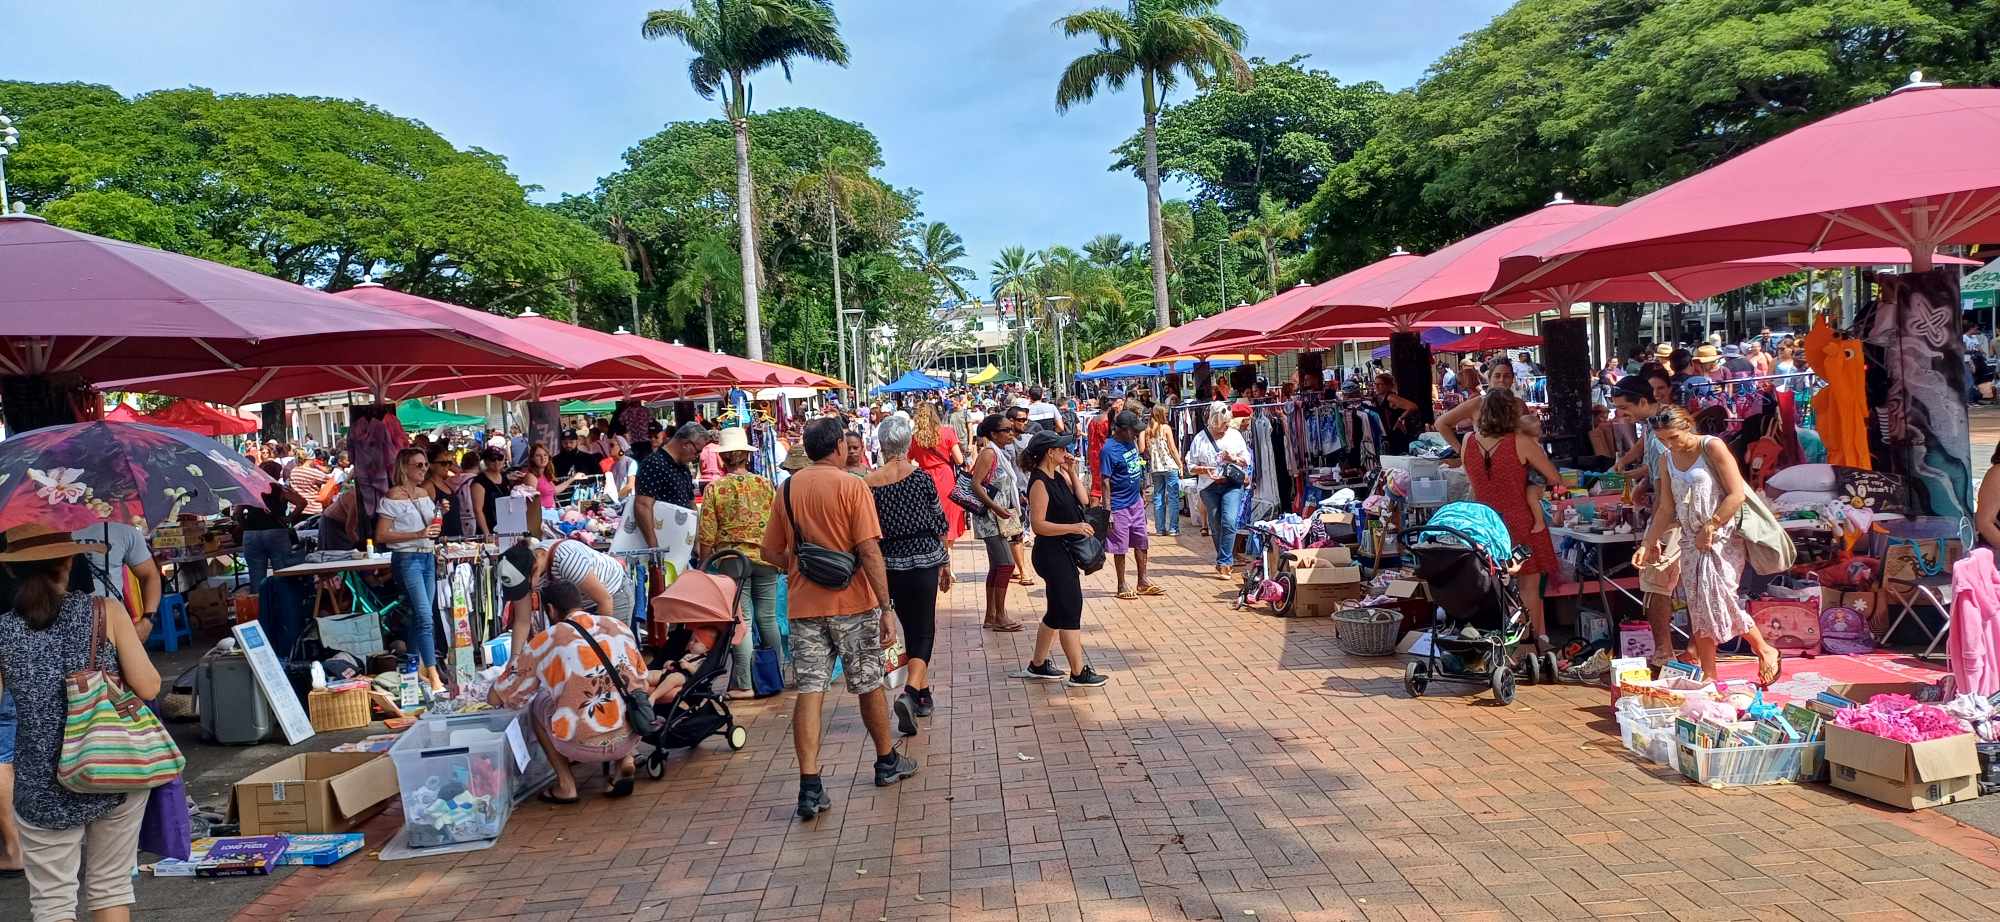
(1490, 339)
(553, 353)
(1914, 170)
(105, 310)
(124, 413)
(1296, 308)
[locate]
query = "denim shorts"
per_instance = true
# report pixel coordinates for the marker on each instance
(7, 725)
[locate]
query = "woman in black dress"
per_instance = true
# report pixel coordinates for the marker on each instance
(1399, 419)
(913, 524)
(1055, 515)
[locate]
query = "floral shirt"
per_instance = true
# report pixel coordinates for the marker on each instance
(584, 706)
(734, 512)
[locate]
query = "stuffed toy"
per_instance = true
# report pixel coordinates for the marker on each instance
(1840, 409)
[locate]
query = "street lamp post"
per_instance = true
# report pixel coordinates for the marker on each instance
(1062, 357)
(10, 138)
(853, 318)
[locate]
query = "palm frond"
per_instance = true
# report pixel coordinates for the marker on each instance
(1080, 79)
(1111, 27)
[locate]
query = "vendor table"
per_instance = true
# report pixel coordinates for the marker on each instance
(1592, 560)
(331, 567)
(180, 559)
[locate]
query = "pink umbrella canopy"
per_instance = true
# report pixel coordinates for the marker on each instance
(547, 353)
(1914, 170)
(1295, 308)
(106, 310)
(1489, 339)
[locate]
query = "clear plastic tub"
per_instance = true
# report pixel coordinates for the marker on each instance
(1649, 733)
(457, 778)
(1742, 766)
(528, 780)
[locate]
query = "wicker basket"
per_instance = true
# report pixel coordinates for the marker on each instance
(1367, 631)
(337, 710)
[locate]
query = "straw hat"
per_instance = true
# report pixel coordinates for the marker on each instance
(732, 439)
(1663, 351)
(796, 460)
(1706, 354)
(40, 542)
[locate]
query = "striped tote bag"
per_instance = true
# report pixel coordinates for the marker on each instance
(112, 742)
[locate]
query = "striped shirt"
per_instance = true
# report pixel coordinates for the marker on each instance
(307, 480)
(571, 561)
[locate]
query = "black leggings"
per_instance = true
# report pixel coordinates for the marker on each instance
(915, 593)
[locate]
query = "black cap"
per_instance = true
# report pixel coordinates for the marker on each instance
(517, 572)
(1633, 387)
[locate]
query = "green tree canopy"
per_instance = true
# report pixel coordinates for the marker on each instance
(316, 191)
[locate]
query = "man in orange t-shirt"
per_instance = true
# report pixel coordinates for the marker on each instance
(826, 506)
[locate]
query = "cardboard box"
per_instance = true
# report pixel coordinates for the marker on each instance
(1908, 775)
(317, 851)
(318, 792)
(1323, 578)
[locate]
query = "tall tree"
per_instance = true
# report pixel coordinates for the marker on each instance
(1013, 277)
(936, 250)
(1108, 250)
(1272, 222)
(732, 40)
(709, 273)
(840, 182)
(1157, 41)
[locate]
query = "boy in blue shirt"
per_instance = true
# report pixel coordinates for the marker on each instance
(1124, 471)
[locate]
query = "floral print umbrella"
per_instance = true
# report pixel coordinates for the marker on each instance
(69, 477)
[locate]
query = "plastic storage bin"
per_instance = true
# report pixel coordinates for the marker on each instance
(457, 778)
(1426, 491)
(1741, 766)
(1649, 734)
(528, 780)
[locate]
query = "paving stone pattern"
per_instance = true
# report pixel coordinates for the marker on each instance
(1238, 766)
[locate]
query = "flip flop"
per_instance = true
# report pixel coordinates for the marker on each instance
(548, 796)
(1003, 627)
(1128, 595)
(1776, 673)
(623, 786)
(1152, 589)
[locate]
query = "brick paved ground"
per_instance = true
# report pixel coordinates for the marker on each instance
(1238, 766)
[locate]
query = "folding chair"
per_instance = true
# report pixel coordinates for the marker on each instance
(1932, 585)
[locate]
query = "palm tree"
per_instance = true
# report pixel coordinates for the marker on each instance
(1073, 285)
(1157, 41)
(709, 271)
(1108, 250)
(843, 180)
(1014, 277)
(935, 250)
(731, 40)
(1271, 223)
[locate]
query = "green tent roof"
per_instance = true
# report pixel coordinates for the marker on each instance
(414, 414)
(1978, 289)
(579, 407)
(1005, 378)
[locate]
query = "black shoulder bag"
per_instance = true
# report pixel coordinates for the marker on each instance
(638, 707)
(824, 566)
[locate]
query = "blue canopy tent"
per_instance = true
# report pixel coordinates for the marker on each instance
(1182, 367)
(912, 380)
(1433, 337)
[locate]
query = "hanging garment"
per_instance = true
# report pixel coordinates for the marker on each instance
(1974, 643)
(1840, 409)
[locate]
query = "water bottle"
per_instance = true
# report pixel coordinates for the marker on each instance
(408, 690)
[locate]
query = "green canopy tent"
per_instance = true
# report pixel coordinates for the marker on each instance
(1004, 378)
(1980, 289)
(587, 408)
(414, 414)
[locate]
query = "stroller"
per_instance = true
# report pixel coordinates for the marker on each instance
(1463, 554)
(704, 604)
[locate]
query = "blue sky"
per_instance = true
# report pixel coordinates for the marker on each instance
(959, 91)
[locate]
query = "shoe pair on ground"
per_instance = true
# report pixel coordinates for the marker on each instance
(1046, 670)
(889, 769)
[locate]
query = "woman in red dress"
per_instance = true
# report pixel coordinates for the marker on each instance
(1497, 459)
(934, 449)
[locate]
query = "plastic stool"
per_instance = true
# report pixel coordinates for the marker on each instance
(170, 628)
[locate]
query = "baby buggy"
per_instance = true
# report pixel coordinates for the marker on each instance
(1466, 559)
(700, 612)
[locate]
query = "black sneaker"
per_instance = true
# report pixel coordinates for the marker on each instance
(896, 767)
(813, 802)
(906, 717)
(1044, 670)
(921, 702)
(1088, 678)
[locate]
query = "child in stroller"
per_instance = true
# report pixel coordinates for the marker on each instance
(1465, 557)
(699, 610)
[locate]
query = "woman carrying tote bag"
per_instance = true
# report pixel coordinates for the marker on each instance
(47, 635)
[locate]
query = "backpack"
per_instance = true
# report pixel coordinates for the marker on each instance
(1843, 630)
(1791, 626)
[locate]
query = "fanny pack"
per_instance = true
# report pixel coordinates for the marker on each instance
(824, 566)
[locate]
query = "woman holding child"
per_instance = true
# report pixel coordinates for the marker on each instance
(1498, 457)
